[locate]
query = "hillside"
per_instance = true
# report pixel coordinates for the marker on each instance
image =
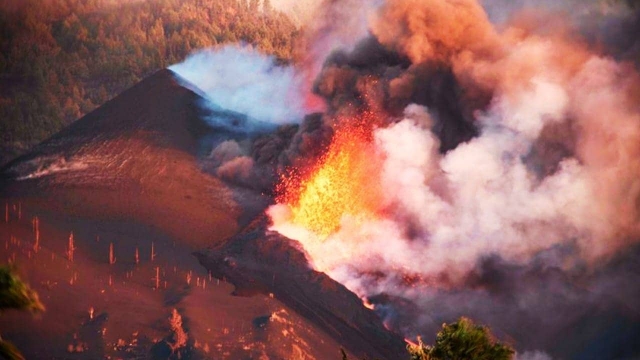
(60, 59)
(127, 177)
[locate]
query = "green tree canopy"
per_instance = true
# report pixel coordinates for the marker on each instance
(60, 59)
(462, 340)
(15, 294)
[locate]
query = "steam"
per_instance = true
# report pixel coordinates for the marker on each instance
(256, 100)
(245, 81)
(546, 187)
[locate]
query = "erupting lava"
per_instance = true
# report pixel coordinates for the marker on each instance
(343, 182)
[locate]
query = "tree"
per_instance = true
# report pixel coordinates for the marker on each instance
(178, 333)
(61, 58)
(15, 294)
(462, 340)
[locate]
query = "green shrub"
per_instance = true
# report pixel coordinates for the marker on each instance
(15, 294)
(462, 340)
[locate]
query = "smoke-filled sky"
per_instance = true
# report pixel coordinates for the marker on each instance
(509, 169)
(503, 161)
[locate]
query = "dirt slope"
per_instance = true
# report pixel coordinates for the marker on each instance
(127, 177)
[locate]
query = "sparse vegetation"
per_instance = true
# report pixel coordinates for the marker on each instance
(15, 294)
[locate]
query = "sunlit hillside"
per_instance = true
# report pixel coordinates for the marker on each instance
(60, 59)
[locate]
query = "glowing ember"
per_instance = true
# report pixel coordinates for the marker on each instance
(367, 304)
(344, 182)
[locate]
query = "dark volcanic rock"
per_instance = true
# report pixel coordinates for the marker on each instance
(258, 260)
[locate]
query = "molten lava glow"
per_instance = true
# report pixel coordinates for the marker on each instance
(344, 182)
(367, 304)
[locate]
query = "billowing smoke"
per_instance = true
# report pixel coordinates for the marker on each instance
(501, 188)
(256, 161)
(510, 163)
(501, 176)
(334, 25)
(245, 81)
(606, 25)
(259, 109)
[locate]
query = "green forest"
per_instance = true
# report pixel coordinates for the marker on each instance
(60, 59)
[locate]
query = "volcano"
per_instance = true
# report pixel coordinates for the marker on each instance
(125, 190)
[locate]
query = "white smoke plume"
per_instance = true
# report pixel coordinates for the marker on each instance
(246, 81)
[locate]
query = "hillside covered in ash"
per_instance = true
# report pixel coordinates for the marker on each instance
(130, 178)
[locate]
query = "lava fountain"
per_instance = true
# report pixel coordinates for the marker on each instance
(542, 198)
(344, 182)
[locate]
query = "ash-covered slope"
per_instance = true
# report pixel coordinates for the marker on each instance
(129, 176)
(159, 110)
(257, 260)
(133, 157)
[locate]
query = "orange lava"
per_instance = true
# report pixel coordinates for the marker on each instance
(367, 304)
(343, 182)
